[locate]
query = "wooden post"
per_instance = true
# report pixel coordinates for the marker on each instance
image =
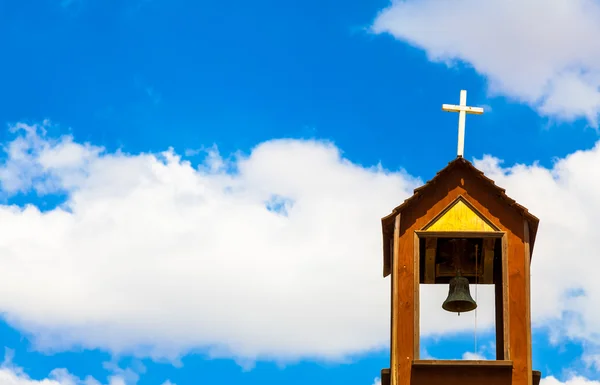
(430, 251)
(505, 299)
(500, 300)
(416, 303)
(488, 259)
(516, 314)
(394, 342)
(404, 340)
(527, 302)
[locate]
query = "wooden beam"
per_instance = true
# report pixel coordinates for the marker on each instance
(391, 310)
(417, 310)
(404, 311)
(430, 251)
(393, 347)
(518, 308)
(499, 310)
(460, 234)
(488, 260)
(526, 270)
(502, 363)
(505, 299)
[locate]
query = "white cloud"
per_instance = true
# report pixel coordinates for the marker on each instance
(153, 257)
(377, 381)
(472, 356)
(544, 53)
(572, 381)
(566, 198)
(11, 374)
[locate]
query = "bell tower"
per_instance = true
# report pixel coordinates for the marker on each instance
(459, 229)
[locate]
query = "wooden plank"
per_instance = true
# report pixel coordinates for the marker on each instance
(517, 308)
(488, 260)
(463, 363)
(416, 284)
(385, 377)
(404, 312)
(462, 375)
(468, 373)
(430, 250)
(460, 234)
(505, 299)
(527, 276)
(499, 308)
(387, 253)
(394, 342)
(392, 301)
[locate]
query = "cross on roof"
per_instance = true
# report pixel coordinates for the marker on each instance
(462, 110)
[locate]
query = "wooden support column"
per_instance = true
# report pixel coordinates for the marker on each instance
(517, 314)
(394, 278)
(392, 304)
(488, 259)
(404, 306)
(526, 271)
(505, 299)
(499, 297)
(430, 251)
(416, 299)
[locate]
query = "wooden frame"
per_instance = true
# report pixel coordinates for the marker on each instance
(460, 234)
(465, 201)
(501, 291)
(508, 243)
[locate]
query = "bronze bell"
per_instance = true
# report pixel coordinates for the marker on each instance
(459, 298)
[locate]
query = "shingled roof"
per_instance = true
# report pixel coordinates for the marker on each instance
(387, 222)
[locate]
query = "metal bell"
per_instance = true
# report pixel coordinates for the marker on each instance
(459, 298)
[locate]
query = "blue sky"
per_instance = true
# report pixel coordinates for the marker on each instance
(191, 191)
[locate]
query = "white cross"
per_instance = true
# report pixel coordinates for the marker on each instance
(462, 110)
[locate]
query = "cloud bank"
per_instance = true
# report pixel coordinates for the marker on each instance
(276, 254)
(541, 52)
(11, 374)
(271, 255)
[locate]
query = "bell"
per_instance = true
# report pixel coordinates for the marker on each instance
(459, 298)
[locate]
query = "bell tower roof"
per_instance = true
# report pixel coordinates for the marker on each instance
(453, 175)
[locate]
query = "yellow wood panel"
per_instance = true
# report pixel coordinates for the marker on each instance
(460, 217)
